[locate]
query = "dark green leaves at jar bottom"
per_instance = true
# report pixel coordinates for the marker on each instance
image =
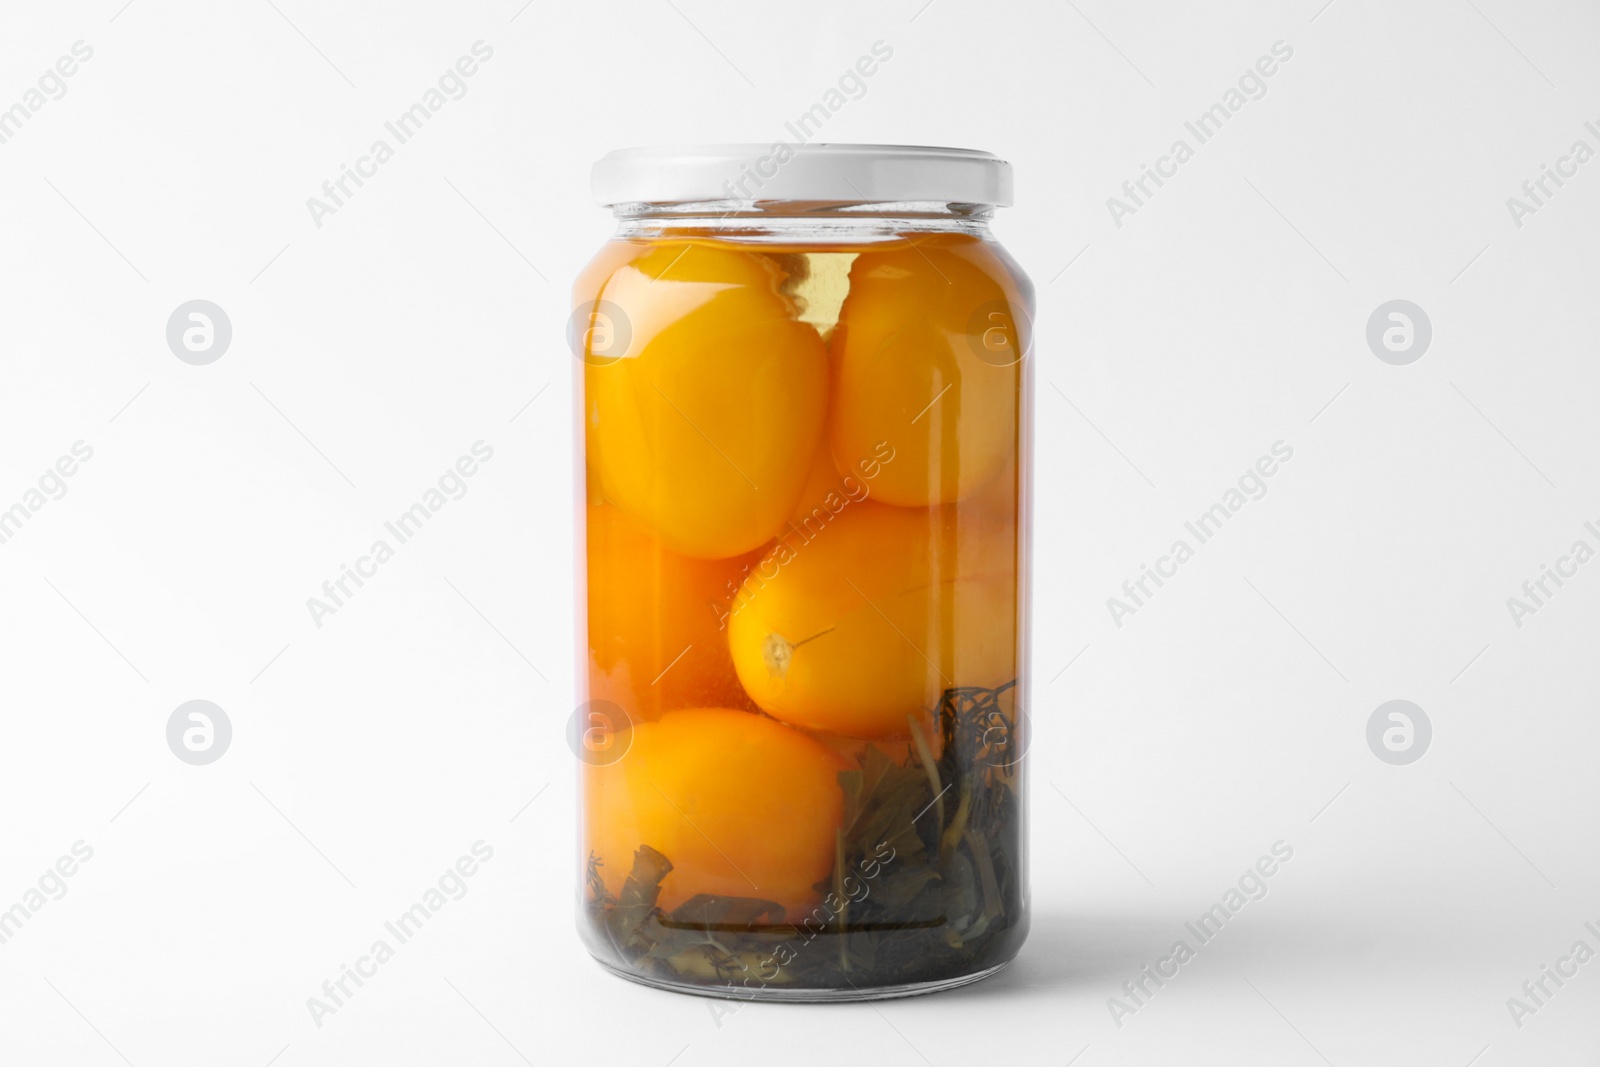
(927, 883)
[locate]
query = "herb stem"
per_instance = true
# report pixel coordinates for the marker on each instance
(958, 825)
(844, 901)
(929, 767)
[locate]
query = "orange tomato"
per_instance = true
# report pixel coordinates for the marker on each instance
(656, 621)
(921, 361)
(742, 806)
(704, 424)
(868, 621)
(592, 279)
(827, 493)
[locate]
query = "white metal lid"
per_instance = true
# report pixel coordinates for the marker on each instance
(861, 173)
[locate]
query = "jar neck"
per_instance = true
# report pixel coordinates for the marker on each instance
(790, 220)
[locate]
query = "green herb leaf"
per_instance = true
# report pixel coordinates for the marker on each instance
(927, 884)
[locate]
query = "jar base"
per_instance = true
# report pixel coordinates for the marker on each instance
(772, 994)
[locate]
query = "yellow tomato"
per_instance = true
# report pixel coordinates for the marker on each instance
(926, 358)
(855, 628)
(742, 806)
(989, 520)
(656, 621)
(827, 493)
(702, 421)
(587, 286)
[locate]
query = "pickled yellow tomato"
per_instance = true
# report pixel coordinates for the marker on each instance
(702, 419)
(742, 807)
(866, 622)
(655, 621)
(927, 357)
(827, 491)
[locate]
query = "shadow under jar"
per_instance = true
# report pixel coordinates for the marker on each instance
(803, 440)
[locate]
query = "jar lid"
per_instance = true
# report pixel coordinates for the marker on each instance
(844, 173)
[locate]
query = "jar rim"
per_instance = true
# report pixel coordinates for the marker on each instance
(838, 173)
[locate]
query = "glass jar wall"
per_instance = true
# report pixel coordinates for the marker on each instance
(804, 469)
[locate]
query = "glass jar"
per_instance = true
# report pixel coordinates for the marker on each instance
(804, 451)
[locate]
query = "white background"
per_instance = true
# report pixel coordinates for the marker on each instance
(368, 354)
